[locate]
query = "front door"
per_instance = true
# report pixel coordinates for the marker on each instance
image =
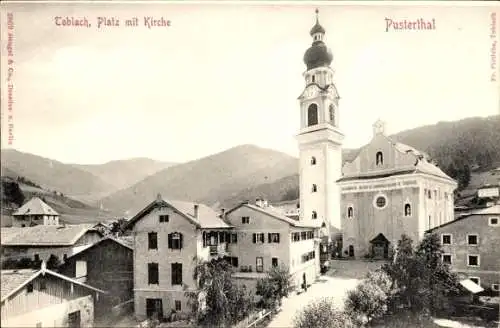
(378, 251)
(154, 308)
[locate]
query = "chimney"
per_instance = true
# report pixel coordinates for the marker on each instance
(158, 196)
(259, 202)
(196, 210)
(222, 212)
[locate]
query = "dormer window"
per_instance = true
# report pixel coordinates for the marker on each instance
(379, 158)
(313, 160)
(314, 188)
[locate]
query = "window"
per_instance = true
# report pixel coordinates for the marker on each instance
(379, 158)
(29, 288)
(314, 188)
(380, 201)
(314, 215)
(178, 306)
(472, 239)
(495, 287)
(234, 262)
(153, 273)
(176, 273)
(274, 261)
(43, 285)
(37, 258)
(258, 238)
(429, 194)
(38, 325)
(259, 265)
(312, 115)
(245, 219)
(473, 260)
(313, 160)
(407, 209)
(273, 237)
(493, 221)
(332, 114)
(164, 218)
(175, 240)
(447, 258)
(476, 280)
(152, 240)
(446, 239)
(350, 212)
(74, 319)
(303, 235)
(313, 77)
(234, 238)
(81, 270)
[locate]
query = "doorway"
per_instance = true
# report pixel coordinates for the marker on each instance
(304, 281)
(154, 308)
(351, 251)
(380, 247)
(74, 319)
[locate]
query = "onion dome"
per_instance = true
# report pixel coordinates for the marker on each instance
(318, 54)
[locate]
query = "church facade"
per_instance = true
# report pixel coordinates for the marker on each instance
(391, 189)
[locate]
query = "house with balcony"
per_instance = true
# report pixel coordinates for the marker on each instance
(264, 237)
(169, 238)
(470, 245)
(35, 212)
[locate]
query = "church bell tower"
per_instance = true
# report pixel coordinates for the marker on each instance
(320, 139)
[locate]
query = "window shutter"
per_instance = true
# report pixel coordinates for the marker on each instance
(254, 238)
(180, 240)
(169, 240)
(278, 238)
(263, 237)
(269, 238)
(204, 237)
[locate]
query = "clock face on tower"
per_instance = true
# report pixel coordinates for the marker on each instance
(311, 91)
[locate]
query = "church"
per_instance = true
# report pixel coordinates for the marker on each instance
(365, 205)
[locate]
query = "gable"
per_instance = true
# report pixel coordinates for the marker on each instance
(393, 159)
(258, 219)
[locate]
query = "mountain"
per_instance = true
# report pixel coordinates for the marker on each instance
(51, 174)
(124, 173)
(207, 180)
(474, 142)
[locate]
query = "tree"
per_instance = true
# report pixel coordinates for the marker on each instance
(367, 301)
(53, 262)
(12, 192)
(218, 301)
(322, 314)
(276, 285)
(438, 282)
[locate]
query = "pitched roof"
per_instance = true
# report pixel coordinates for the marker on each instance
(492, 210)
(35, 206)
(207, 217)
(276, 214)
(8, 233)
(48, 235)
(14, 280)
(123, 242)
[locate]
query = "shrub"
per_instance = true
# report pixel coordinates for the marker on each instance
(367, 302)
(322, 314)
(274, 287)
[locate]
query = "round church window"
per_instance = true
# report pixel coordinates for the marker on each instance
(380, 201)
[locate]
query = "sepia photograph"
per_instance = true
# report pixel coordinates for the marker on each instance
(250, 164)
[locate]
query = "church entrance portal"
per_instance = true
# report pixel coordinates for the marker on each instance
(380, 247)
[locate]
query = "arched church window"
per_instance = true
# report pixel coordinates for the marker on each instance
(313, 160)
(379, 158)
(312, 115)
(323, 225)
(313, 78)
(314, 215)
(332, 114)
(350, 212)
(314, 188)
(407, 209)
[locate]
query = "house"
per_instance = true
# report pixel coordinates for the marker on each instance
(264, 237)
(44, 298)
(169, 237)
(108, 265)
(41, 241)
(290, 208)
(35, 212)
(391, 189)
(470, 244)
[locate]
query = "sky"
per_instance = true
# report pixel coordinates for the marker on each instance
(223, 75)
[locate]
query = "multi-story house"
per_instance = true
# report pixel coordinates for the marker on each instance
(470, 245)
(35, 212)
(264, 237)
(169, 238)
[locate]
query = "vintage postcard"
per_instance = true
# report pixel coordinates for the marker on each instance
(250, 164)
